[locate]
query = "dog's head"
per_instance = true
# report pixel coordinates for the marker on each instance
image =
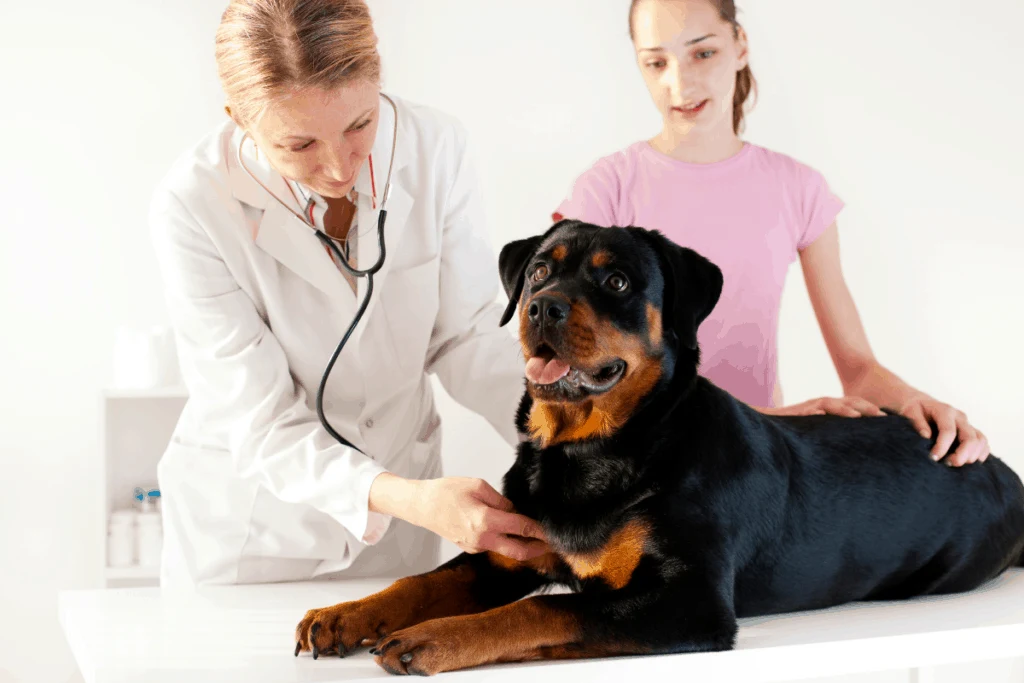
(604, 315)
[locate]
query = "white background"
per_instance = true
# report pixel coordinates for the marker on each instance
(911, 109)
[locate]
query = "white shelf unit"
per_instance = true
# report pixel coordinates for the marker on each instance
(137, 426)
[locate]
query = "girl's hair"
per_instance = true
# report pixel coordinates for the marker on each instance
(745, 83)
(266, 48)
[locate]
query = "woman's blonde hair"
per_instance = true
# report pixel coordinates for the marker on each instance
(267, 48)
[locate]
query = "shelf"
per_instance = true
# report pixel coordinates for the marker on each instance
(133, 572)
(159, 392)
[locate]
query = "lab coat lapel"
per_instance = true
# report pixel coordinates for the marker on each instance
(293, 243)
(280, 233)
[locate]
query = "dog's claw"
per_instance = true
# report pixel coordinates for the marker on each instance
(298, 648)
(374, 651)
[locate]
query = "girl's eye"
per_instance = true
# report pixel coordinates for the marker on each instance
(656, 64)
(618, 282)
(705, 54)
(540, 273)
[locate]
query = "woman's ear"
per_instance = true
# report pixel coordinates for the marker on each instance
(742, 49)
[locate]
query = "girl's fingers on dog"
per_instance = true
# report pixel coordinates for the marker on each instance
(945, 420)
(967, 451)
(915, 413)
(985, 450)
(866, 407)
(838, 406)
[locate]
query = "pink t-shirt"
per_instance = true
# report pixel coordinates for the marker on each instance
(750, 214)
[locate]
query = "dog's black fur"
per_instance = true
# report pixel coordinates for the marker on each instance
(732, 512)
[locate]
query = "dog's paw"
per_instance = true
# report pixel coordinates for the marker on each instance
(341, 628)
(425, 649)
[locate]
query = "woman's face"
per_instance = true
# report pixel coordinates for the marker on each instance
(689, 58)
(321, 138)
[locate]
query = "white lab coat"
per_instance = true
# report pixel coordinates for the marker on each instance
(253, 488)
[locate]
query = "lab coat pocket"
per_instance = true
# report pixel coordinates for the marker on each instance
(410, 300)
(425, 458)
(205, 509)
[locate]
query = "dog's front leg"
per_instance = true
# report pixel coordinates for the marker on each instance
(573, 626)
(464, 585)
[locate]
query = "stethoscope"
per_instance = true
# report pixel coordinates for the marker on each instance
(368, 273)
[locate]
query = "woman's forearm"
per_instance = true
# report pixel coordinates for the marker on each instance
(881, 386)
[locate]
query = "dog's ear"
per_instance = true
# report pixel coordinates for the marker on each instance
(693, 285)
(512, 265)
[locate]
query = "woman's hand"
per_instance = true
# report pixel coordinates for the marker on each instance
(922, 410)
(848, 406)
(467, 512)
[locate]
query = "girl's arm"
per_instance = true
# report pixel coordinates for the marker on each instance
(860, 373)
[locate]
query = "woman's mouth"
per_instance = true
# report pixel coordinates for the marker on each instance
(691, 110)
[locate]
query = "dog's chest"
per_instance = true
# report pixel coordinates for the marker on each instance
(614, 561)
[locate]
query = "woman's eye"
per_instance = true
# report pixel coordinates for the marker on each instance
(302, 147)
(618, 282)
(540, 273)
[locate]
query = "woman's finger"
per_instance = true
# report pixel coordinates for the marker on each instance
(512, 524)
(866, 407)
(915, 413)
(945, 420)
(838, 406)
(984, 448)
(514, 548)
(486, 494)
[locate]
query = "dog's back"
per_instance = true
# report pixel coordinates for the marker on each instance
(866, 514)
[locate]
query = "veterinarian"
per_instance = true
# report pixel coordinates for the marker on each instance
(704, 187)
(254, 488)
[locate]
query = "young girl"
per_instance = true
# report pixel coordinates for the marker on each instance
(750, 210)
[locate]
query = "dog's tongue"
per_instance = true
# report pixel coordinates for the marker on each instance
(542, 371)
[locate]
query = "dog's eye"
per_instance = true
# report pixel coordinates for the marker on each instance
(540, 273)
(618, 282)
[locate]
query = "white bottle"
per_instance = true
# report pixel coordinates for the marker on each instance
(121, 539)
(149, 539)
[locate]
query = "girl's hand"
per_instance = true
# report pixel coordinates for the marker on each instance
(467, 512)
(848, 406)
(922, 410)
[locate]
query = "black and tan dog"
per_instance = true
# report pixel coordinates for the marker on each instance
(672, 508)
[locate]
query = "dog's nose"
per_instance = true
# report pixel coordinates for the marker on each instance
(548, 310)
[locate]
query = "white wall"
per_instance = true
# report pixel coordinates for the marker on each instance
(911, 110)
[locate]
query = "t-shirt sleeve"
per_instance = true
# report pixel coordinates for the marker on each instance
(593, 197)
(819, 206)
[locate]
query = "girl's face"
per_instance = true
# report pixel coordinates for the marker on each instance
(319, 138)
(689, 58)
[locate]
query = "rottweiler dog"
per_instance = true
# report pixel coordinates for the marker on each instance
(672, 508)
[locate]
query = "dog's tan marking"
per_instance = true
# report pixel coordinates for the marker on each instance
(615, 562)
(560, 252)
(545, 564)
(654, 324)
(600, 259)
